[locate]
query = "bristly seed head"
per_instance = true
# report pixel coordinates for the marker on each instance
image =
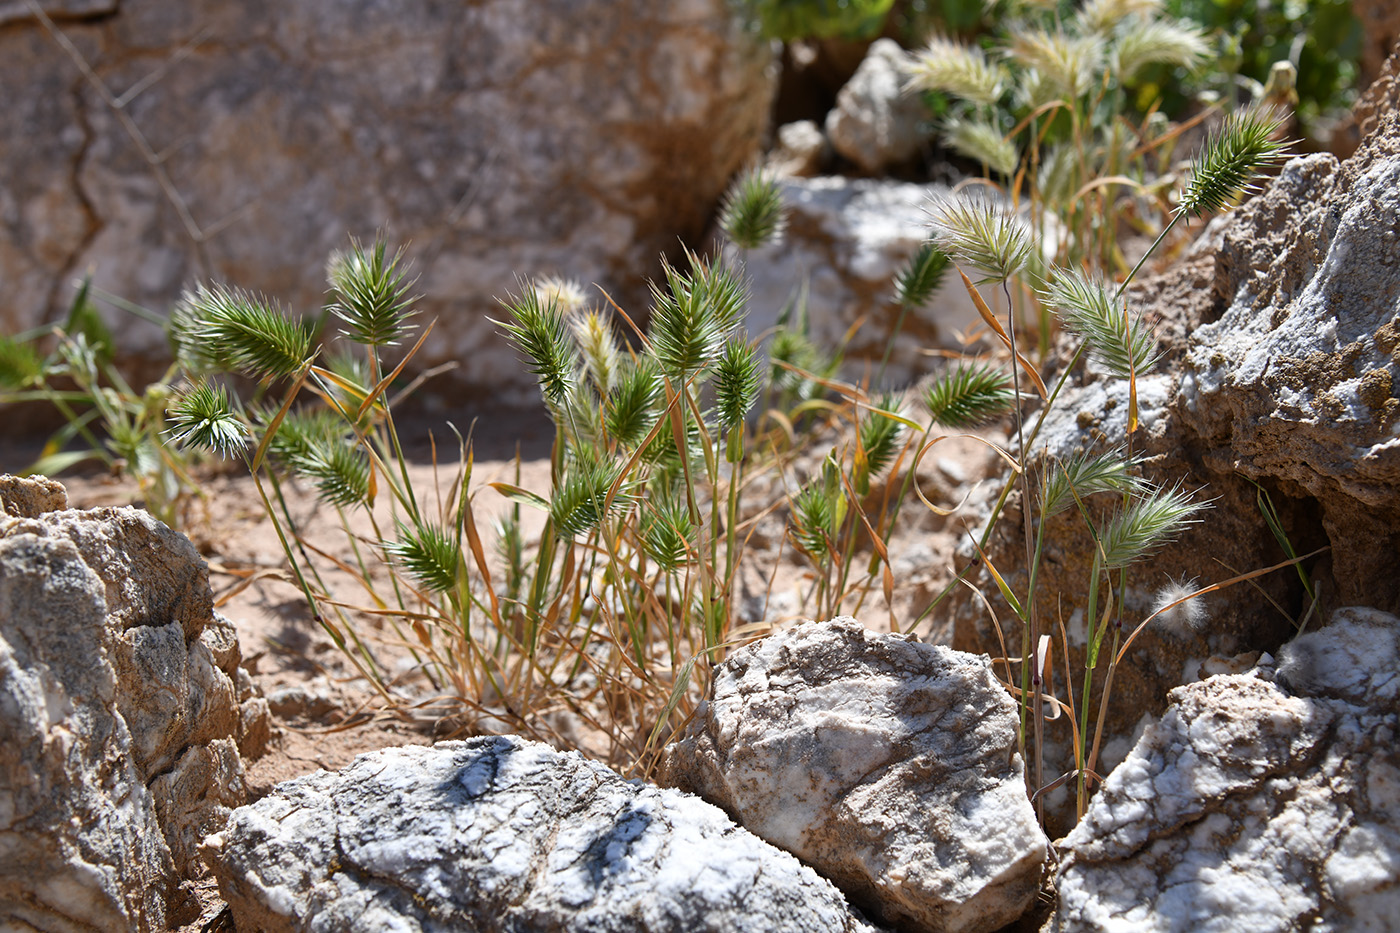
(980, 233)
(1231, 158)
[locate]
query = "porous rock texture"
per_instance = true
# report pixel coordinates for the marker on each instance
(1281, 338)
(888, 765)
(503, 834)
(874, 123)
(1266, 801)
(120, 718)
(499, 138)
(846, 241)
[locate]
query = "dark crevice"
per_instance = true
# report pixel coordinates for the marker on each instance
(27, 20)
(55, 303)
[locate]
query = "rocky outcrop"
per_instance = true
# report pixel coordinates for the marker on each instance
(888, 765)
(497, 834)
(846, 240)
(1281, 339)
(120, 717)
(875, 124)
(241, 144)
(1262, 801)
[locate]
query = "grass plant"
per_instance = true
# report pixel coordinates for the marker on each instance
(104, 416)
(1127, 518)
(1052, 114)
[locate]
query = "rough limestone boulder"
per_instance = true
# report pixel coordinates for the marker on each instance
(875, 124)
(1281, 339)
(120, 715)
(1266, 801)
(497, 834)
(572, 137)
(888, 765)
(846, 241)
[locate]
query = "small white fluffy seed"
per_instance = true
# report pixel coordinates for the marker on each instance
(1183, 618)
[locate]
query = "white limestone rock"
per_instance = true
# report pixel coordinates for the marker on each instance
(1260, 802)
(118, 715)
(875, 124)
(846, 240)
(502, 834)
(80, 845)
(800, 150)
(888, 765)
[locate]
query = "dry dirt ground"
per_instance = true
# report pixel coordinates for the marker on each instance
(324, 714)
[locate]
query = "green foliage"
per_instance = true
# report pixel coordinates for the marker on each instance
(790, 20)
(112, 423)
(1321, 38)
(1057, 97)
(21, 365)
